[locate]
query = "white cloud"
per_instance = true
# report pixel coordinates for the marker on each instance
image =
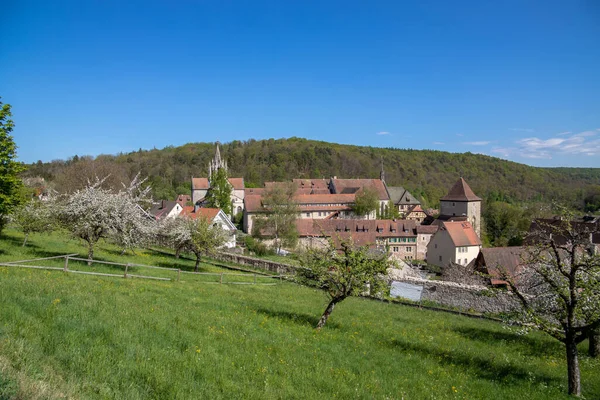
(480, 143)
(583, 143)
(564, 133)
(383, 133)
(438, 143)
(529, 130)
(460, 135)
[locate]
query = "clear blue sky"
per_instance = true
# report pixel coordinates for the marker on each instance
(514, 79)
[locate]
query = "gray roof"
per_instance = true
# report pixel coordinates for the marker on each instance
(399, 195)
(163, 208)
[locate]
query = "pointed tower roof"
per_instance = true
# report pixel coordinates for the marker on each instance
(460, 192)
(217, 158)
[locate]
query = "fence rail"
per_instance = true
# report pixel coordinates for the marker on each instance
(127, 274)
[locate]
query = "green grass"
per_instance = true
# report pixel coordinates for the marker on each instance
(66, 335)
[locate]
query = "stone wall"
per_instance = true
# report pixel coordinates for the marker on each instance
(465, 297)
(257, 263)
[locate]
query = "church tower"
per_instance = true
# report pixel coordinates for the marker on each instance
(217, 163)
(462, 202)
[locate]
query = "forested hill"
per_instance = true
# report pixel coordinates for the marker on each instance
(426, 173)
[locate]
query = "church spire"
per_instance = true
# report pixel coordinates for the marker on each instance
(382, 172)
(217, 163)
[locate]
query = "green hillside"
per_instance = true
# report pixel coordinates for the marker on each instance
(427, 173)
(74, 336)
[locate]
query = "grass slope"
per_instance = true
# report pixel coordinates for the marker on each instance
(70, 336)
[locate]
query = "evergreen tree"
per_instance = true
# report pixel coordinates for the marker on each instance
(219, 194)
(10, 182)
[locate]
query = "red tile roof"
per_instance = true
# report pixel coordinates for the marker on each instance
(208, 213)
(461, 233)
(461, 192)
(237, 183)
(200, 183)
(352, 185)
(250, 191)
(313, 184)
(252, 203)
(379, 228)
(183, 199)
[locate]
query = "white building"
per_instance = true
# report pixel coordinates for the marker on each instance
(454, 242)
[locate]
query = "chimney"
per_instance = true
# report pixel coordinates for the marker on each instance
(162, 204)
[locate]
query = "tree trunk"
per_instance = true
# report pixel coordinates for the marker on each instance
(25, 240)
(594, 339)
(123, 251)
(573, 367)
(90, 252)
(177, 252)
(196, 269)
(328, 312)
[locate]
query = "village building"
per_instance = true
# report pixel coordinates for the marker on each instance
(201, 186)
(165, 209)
(454, 242)
(398, 237)
(494, 263)
(461, 204)
(424, 234)
(416, 214)
(402, 199)
(216, 217)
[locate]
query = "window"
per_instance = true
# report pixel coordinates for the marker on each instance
(436, 245)
(395, 249)
(308, 214)
(465, 261)
(440, 258)
(409, 249)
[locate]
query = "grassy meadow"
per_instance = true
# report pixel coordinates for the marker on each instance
(90, 337)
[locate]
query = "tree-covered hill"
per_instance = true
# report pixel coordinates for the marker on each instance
(427, 173)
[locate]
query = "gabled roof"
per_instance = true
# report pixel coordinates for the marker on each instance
(416, 209)
(236, 183)
(208, 213)
(313, 184)
(460, 192)
(375, 228)
(351, 186)
(251, 191)
(162, 209)
(183, 199)
(498, 259)
(253, 203)
(399, 195)
(199, 183)
(461, 233)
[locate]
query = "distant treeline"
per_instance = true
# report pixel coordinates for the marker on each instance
(428, 174)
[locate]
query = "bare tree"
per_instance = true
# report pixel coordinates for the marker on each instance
(559, 288)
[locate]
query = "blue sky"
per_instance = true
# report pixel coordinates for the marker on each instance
(513, 79)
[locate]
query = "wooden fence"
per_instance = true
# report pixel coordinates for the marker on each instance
(222, 276)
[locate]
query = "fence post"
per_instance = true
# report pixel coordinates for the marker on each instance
(66, 264)
(178, 274)
(221, 281)
(126, 268)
